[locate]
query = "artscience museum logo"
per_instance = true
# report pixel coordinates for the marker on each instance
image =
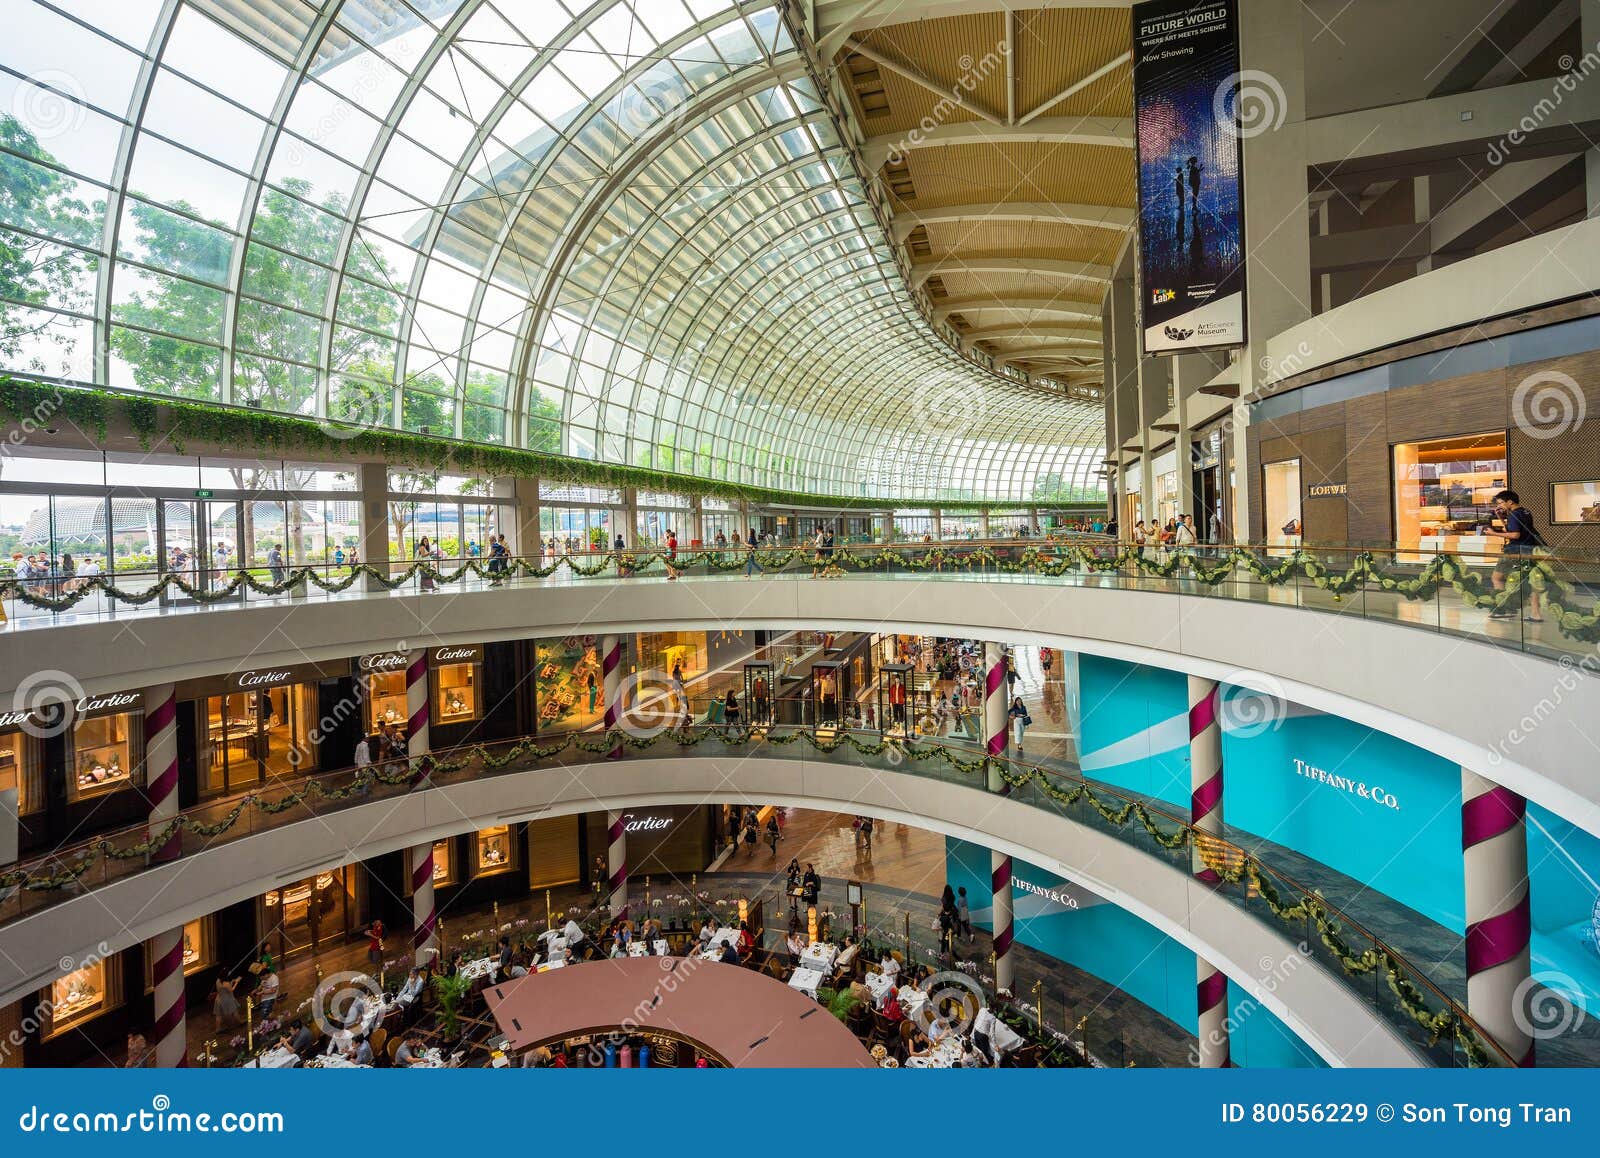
(1359, 788)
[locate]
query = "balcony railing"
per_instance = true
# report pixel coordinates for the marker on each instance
(1437, 1025)
(1543, 605)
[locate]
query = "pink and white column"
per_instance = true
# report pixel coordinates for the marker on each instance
(424, 914)
(611, 686)
(994, 713)
(161, 766)
(1494, 855)
(169, 1029)
(1205, 813)
(1205, 767)
(1211, 991)
(424, 911)
(617, 863)
(1000, 885)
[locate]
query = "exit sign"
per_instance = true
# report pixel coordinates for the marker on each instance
(202, 494)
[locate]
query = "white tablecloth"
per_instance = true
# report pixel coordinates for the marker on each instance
(339, 1063)
(806, 980)
(725, 936)
(945, 1055)
(640, 949)
(879, 984)
(482, 967)
(276, 1058)
(819, 956)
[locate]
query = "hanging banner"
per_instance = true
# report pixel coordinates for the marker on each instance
(1186, 82)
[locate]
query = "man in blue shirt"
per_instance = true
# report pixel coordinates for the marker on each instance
(1521, 537)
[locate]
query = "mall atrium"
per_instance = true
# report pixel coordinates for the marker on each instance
(1058, 534)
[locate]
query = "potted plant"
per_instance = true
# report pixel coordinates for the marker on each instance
(450, 990)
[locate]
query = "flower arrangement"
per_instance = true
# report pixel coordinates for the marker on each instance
(236, 1041)
(269, 1027)
(879, 1052)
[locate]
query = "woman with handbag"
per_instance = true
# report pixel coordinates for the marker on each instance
(1019, 721)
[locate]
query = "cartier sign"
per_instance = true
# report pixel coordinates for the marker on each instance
(632, 823)
(265, 679)
(84, 708)
(461, 653)
(383, 662)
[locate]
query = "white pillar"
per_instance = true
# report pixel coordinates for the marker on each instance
(374, 519)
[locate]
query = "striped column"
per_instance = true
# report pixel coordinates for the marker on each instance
(424, 914)
(417, 704)
(617, 863)
(1212, 992)
(611, 686)
(1494, 856)
(1205, 768)
(170, 1029)
(1000, 883)
(994, 712)
(161, 765)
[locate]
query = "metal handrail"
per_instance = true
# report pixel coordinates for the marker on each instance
(1212, 842)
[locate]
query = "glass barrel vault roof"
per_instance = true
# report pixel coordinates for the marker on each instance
(624, 230)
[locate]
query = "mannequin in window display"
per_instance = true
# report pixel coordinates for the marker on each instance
(897, 701)
(760, 705)
(828, 697)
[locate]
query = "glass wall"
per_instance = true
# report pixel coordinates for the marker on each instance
(369, 248)
(1281, 495)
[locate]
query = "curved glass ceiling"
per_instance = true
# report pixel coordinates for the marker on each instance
(623, 231)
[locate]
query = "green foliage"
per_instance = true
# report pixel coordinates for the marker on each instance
(451, 991)
(35, 268)
(178, 423)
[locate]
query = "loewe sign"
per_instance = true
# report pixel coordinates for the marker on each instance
(1327, 490)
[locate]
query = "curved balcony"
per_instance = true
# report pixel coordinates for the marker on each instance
(1281, 914)
(1474, 596)
(1255, 618)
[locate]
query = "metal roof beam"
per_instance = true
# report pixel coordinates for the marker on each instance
(1022, 267)
(1102, 132)
(1034, 213)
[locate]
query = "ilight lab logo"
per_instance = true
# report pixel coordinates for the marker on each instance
(1160, 296)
